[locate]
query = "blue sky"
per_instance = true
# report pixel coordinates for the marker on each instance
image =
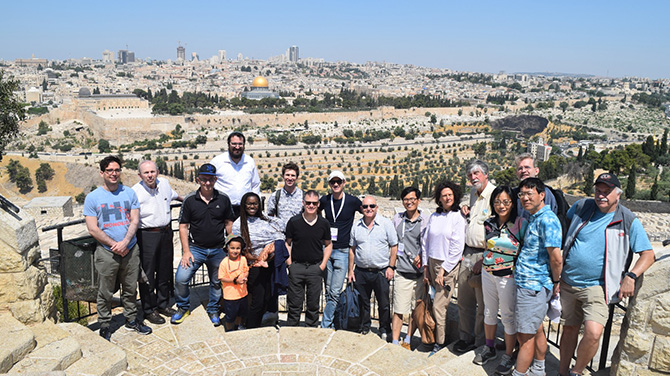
(606, 38)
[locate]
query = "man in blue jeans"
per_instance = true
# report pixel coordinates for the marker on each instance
(339, 209)
(205, 219)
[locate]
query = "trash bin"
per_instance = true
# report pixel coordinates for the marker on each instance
(78, 269)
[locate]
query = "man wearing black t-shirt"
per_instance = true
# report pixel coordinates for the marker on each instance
(308, 238)
(206, 218)
(339, 209)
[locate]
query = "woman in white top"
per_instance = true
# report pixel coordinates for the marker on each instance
(442, 248)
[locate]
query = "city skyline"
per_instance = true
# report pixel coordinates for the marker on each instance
(602, 38)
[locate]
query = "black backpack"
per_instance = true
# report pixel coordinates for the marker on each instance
(562, 207)
(347, 312)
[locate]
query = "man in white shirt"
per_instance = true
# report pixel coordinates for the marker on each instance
(236, 172)
(155, 240)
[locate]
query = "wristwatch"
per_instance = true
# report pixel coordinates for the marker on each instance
(632, 275)
(392, 267)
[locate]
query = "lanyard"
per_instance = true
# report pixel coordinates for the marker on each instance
(332, 207)
(404, 221)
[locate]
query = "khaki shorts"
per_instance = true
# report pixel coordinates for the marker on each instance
(581, 304)
(405, 293)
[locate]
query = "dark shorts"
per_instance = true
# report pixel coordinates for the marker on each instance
(234, 309)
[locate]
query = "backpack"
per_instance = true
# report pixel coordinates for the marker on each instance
(562, 207)
(347, 312)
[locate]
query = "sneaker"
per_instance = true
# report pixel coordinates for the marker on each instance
(180, 316)
(240, 327)
(105, 333)
(506, 365)
(463, 346)
(536, 372)
(138, 326)
(365, 331)
(485, 355)
(437, 347)
(167, 312)
(384, 336)
(155, 318)
(214, 317)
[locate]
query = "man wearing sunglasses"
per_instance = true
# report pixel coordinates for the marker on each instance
(373, 249)
(339, 209)
(308, 240)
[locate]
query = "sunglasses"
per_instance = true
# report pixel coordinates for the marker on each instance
(311, 203)
(333, 182)
(371, 206)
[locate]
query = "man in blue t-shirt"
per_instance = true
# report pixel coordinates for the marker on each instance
(339, 209)
(536, 274)
(601, 235)
(112, 214)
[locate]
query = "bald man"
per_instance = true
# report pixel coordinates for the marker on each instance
(373, 248)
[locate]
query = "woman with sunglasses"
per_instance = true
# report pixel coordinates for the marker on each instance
(441, 249)
(264, 238)
(503, 241)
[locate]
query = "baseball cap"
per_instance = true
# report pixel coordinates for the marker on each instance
(234, 237)
(610, 179)
(207, 169)
(336, 174)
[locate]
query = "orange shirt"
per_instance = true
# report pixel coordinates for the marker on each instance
(230, 269)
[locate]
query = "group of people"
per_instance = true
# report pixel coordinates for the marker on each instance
(504, 251)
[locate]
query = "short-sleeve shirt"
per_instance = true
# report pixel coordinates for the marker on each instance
(230, 269)
(532, 267)
(345, 218)
(207, 221)
(112, 209)
(290, 204)
(502, 245)
(155, 203)
(371, 246)
(585, 264)
(409, 235)
(549, 200)
(307, 241)
(261, 232)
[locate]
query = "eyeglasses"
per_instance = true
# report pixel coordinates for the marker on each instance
(333, 182)
(409, 199)
(112, 170)
(528, 194)
(371, 206)
(311, 203)
(237, 144)
(210, 179)
(503, 202)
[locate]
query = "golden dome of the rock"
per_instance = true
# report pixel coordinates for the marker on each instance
(260, 81)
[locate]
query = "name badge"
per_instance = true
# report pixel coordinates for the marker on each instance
(401, 249)
(333, 234)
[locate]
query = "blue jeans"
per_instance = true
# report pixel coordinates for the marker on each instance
(212, 258)
(336, 271)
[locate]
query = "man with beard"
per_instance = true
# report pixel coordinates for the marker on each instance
(236, 172)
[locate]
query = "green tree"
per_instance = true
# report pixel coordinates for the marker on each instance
(12, 111)
(44, 172)
(653, 193)
(104, 146)
(587, 188)
(564, 106)
(663, 146)
(630, 186)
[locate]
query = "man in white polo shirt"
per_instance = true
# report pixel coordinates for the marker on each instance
(155, 240)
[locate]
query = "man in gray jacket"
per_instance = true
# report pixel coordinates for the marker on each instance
(597, 254)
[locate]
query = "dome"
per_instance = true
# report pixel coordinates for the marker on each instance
(84, 92)
(260, 81)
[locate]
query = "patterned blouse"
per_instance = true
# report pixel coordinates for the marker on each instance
(261, 232)
(502, 245)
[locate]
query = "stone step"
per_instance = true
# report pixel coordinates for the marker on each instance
(18, 341)
(99, 357)
(54, 356)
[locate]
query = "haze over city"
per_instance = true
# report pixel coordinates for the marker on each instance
(603, 38)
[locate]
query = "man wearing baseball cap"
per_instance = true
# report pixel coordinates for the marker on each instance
(339, 209)
(206, 217)
(601, 238)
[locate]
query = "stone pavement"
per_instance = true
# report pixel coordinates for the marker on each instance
(195, 347)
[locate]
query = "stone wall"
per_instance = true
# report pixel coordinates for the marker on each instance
(645, 345)
(24, 289)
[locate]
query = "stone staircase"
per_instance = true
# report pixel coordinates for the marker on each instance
(47, 347)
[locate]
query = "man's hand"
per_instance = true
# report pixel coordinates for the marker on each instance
(465, 210)
(120, 248)
(417, 261)
(627, 287)
(439, 279)
(186, 259)
(323, 265)
(351, 277)
(426, 275)
(389, 273)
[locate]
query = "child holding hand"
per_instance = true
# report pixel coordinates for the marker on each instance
(233, 274)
